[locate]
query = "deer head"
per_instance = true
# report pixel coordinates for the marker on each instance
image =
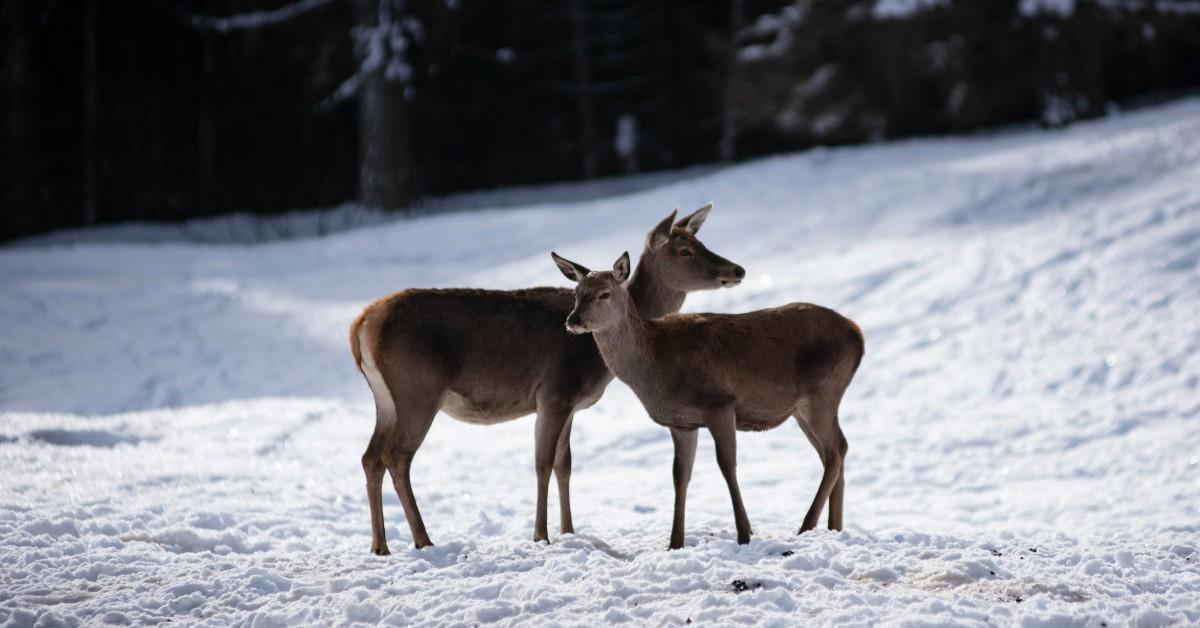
(601, 299)
(681, 262)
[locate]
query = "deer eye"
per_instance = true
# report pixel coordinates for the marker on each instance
(604, 295)
(685, 253)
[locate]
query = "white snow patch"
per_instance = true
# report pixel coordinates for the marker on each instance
(181, 424)
(1063, 8)
(899, 9)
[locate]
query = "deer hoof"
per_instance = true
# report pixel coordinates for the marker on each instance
(380, 551)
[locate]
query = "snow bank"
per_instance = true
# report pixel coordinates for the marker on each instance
(180, 424)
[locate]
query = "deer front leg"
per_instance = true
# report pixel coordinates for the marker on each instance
(723, 427)
(685, 458)
(551, 418)
(562, 473)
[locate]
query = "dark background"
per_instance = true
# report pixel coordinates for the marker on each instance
(157, 110)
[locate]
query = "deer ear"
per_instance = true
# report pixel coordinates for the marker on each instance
(574, 272)
(621, 268)
(692, 221)
(661, 233)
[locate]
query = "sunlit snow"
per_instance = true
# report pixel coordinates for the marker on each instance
(181, 424)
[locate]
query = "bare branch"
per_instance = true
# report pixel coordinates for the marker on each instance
(256, 19)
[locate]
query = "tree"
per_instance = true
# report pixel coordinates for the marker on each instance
(90, 87)
(18, 192)
(378, 85)
(729, 112)
(385, 163)
(583, 90)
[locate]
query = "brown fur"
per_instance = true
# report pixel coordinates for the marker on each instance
(487, 356)
(728, 372)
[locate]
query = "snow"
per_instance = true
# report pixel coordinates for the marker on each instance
(777, 27)
(1063, 8)
(181, 424)
(900, 9)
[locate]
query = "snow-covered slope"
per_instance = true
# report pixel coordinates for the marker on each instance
(181, 425)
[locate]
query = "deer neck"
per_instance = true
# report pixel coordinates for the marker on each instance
(652, 296)
(626, 346)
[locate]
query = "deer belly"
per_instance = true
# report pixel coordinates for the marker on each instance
(760, 421)
(487, 409)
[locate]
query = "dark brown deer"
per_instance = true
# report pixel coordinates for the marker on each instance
(487, 356)
(726, 372)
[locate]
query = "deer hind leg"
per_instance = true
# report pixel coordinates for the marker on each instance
(837, 494)
(819, 422)
(552, 418)
(372, 460)
(374, 469)
(562, 473)
(412, 424)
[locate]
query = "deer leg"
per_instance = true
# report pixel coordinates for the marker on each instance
(405, 438)
(562, 473)
(551, 420)
(685, 458)
(836, 497)
(724, 432)
(374, 469)
(821, 427)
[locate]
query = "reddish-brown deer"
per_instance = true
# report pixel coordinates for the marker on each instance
(487, 356)
(726, 372)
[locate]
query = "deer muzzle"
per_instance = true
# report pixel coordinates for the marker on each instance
(575, 324)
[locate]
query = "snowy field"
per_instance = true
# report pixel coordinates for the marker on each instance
(181, 424)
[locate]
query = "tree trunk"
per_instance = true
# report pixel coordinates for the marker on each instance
(17, 198)
(385, 167)
(206, 134)
(90, 79)
(583, 91)
(729, 113)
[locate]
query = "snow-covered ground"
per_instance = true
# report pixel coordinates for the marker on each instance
(181, 425)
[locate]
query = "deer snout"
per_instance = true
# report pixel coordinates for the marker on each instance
(575, 323)
(737, 272)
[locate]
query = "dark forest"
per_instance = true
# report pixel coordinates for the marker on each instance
(159, 111)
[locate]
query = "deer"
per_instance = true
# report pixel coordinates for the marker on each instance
(489, 356)
(724, 373)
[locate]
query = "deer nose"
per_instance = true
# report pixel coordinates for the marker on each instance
(574, 321)
(739, 272)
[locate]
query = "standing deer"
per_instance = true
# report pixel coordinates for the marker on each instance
(726, 372)
(488, 356)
